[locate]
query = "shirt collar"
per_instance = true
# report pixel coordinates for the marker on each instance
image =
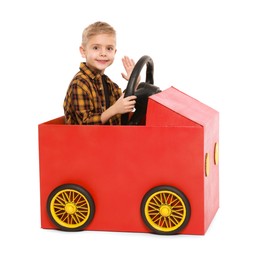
(89, 72)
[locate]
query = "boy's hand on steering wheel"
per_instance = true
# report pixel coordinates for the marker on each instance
(125, 104)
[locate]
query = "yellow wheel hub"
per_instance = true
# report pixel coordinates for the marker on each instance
(70, 208)
(165, 210)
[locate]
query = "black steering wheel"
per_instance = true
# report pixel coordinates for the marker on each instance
(144, 90)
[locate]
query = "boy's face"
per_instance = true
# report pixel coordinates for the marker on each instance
(99, 51)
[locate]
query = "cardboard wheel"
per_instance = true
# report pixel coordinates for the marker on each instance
(70, 207)
(165, 210)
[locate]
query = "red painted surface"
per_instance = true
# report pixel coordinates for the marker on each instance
(119, 164)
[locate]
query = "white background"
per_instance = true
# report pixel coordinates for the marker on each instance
(211, 50)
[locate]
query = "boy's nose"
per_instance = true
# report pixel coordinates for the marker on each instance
(103, 53)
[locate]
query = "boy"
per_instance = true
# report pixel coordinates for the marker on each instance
(92, 98)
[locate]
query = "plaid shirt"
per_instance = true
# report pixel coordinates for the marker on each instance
(85, 99)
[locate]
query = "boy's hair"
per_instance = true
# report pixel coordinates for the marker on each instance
(95, 29)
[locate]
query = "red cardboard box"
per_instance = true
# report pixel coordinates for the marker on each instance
(161, 177)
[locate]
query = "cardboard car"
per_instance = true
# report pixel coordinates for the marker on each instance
(160, 176)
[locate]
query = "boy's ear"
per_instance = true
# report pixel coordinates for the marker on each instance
(82, 51)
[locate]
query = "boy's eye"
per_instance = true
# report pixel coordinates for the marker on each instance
(95, 48)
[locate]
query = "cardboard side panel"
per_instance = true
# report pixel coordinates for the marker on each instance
(118, 165)
(211, 183)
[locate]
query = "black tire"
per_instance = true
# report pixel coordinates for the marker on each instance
(165, 210)
(70, 207)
